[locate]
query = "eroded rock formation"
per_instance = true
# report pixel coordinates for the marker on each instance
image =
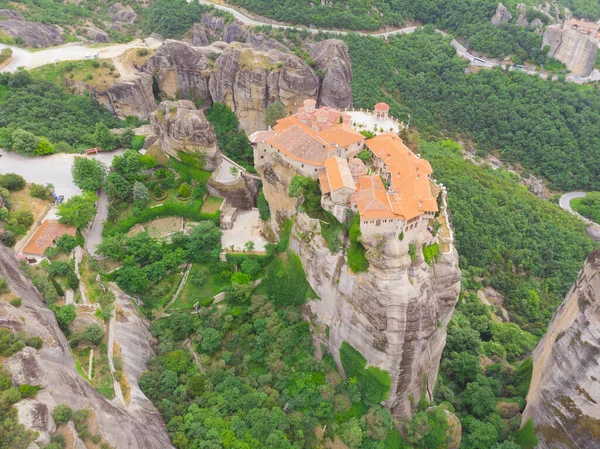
(122, 14)
(53, 368)
(502, 15)
(333, 60)
(247, 80)
(182, 128)
(577, 50)
(183, 70)
(33, 34)
(395, 314)
(565, 389)
(131, 95)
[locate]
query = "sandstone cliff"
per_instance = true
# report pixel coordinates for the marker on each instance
(565, 388)
(333, 60)
(131, 95)
(53, 368)
(395, 314)
(180, 127)
(247, 80)
(182, 70)
(578, 51)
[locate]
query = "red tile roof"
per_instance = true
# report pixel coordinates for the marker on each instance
(45, 235)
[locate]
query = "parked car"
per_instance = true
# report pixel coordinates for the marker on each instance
(96, 55)
(87, 56)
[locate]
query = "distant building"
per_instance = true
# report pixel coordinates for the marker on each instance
(45, 236)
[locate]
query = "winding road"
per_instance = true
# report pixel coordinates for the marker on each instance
(74, 52)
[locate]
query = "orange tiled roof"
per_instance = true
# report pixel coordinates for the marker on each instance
(341, 135)
(410, 193)
(382, 107)
(371, 198)
(357, 167)
(338, 174)
(329, 116)
(325, 188)
(299, 142)
(45, 235)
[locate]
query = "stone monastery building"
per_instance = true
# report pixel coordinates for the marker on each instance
(392, 193)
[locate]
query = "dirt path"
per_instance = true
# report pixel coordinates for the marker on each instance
(119, 399)
(91, 363)
(180, 287)
(188, 344)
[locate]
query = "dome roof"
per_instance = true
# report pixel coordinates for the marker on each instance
(393, 248)
(383, 107)
(357, 167)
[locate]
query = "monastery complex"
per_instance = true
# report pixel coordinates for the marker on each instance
(389, 186)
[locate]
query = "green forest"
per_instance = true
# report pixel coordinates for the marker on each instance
(550, 128)
(37, 117)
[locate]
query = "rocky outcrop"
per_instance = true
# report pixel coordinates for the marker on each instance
(182, 128)
(33, 34)
(97, 35)
(333, 60)
(122, 14)
(10, 14)
(240, 194)
(53, 368)
(395, 314)
(502, 15)
(522, 19)
(247, 80)
(128, 96)
(577, 50)
(182, 70)
(565, 391)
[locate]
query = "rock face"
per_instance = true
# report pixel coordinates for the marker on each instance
(501, 16)
(578, 51)
(10, 14)
(247, 80)
(183, 128)
(128, 96)
(181, 69)
(564, 394)
(33, 34)
(97, 35)
(522, 19)
(395, 314)
(53, 368)
(122, 14)
(333, 60)
(241, 194)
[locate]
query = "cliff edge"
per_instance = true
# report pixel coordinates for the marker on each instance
(565, 388)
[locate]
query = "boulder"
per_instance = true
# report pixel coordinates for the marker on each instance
(25, 368)
(564, 394)
(247, 80)
(122, 14)
(36, 416)
(33, 34)
(216, 28)
(182, 128)
(182, 70)
(10, 14)
(501, 16)
(97, 35)
(260, 42)
(333, 60)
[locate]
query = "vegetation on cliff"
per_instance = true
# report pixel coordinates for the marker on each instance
(527, 248)
(589, 206)
(38, 118)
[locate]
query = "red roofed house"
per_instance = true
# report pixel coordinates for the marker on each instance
(45, 236)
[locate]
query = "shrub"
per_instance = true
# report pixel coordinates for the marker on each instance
(184, 191)
(16, 302)
(137, 143)
(526, 437)
(431, 252)
(373, 382)
(28, 391)
(4, 286)
(62, 414)
(39, 191)
(12, 182)
(66, 243)
(34, 342)
(263, 207)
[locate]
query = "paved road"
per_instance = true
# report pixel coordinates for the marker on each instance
(54, 169)
(71, 52)
(565, 202)
(94, 237)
